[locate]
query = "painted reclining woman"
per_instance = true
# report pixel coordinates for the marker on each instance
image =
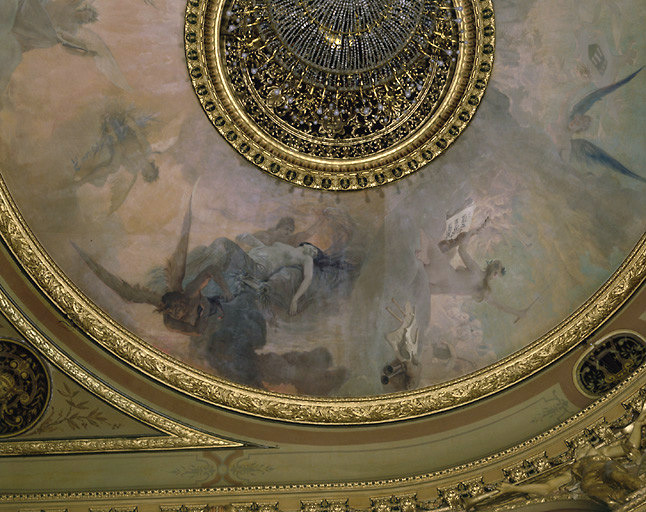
(225, 266)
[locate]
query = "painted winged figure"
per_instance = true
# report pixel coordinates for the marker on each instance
(403, 372)
(184, 307)
(29, 24)
(122, 146)
(195, 285)
(579, 121)
(227, 327)
(469, 279)
(405, 339)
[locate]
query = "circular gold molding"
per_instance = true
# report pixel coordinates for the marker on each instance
(608, 361)
(381, 120)
(98, 326)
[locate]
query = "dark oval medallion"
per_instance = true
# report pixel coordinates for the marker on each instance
(24, 388)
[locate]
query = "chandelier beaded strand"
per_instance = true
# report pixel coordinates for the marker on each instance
(339, 94)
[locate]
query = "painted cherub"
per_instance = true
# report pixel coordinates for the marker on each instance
(30, 24)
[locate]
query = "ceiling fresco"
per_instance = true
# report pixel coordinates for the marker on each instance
(148, 210)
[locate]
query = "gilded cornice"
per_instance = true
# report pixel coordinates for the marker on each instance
(439, 490)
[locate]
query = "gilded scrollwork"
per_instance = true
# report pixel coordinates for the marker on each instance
(255, 507)
(609, 361)
(336, 105)
(188, 508)
(325, 506)
(527, 468)
(463, 486)
(24, 388)
(602, 463)
(173, 435)
(397, 406)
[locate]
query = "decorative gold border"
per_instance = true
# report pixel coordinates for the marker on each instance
(473, 71)
(338, 411)
(173, 435)
(630, 394)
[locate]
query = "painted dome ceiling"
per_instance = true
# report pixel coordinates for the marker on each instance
(271, 297)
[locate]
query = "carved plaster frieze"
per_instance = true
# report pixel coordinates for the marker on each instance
(603, 429)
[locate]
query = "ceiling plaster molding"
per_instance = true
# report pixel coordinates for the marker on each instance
(444, 490)
(337, 411)
(173, 435)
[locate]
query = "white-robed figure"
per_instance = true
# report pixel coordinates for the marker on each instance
(450, 271)
(269, 259)
(196, 284)
(29, 24)
(469, 278)
(404, 341)
(224, 261)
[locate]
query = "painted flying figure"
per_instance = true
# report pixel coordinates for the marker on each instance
(123, 145)
(195, 285)
(29, 24)
(578, 121)
(469, 280)
(184, 307)
(228, 327)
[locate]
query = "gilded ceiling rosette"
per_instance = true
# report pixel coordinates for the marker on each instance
(340, 95)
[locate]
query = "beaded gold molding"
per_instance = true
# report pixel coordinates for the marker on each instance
(428, 105)
(513, 464)
(99, 327)
(172, 435)
(631, 357)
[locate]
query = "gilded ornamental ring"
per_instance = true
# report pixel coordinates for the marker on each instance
(339, 95)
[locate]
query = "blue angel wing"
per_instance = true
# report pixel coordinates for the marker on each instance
(586, 103)
(592, 154)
